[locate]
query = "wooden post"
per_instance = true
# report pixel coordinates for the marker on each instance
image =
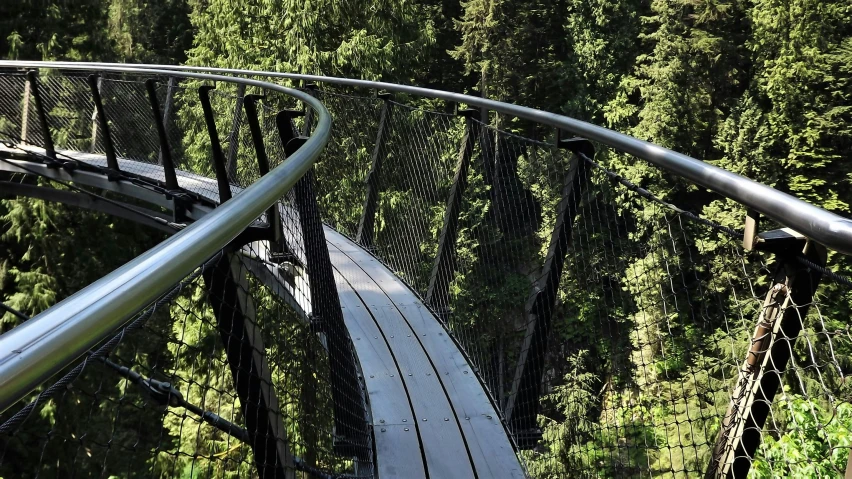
(25, 113)
(779, 323)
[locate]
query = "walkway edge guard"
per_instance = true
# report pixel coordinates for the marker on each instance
(822, 226)
(44, 345)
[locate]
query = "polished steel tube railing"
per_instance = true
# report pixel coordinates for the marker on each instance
(42, 346)
(822, 226)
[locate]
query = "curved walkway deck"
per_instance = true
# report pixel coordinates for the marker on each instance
(430, 413)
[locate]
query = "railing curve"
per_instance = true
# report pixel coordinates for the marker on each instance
(822, 226)
(41, 347)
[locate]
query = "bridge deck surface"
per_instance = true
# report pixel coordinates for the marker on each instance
(430, 413)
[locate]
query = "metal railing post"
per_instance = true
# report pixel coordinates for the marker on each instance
(522, 406)
(437, 294)
(309, 114)
(49, 150)
(218, 157)
(234, 136)
(779, 324)
(165, 151)
(228, 293)
(367, 223)
(350, 424)
(109, 148)
(279, 251)
(167, 110)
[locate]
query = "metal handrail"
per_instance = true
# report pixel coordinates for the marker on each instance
(42, 346)
(822, 226)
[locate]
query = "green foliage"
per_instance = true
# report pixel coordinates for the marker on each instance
(366, 38)
(812, 431)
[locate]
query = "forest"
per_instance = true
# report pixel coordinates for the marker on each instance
(762, 88)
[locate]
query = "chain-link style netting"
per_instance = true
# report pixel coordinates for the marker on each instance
(242, 369)
(221, 363)
(615, 331)
(611, 311)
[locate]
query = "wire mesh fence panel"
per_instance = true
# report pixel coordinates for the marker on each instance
(128, 108)
(240, 370)
(342, 171)
(612, 311)
(504, 224)
(223, 376)
(12, 105)
(69, 107)
(413, 185)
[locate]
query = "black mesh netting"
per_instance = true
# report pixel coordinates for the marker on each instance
(615, 330)
(609, 309)
(226, 374)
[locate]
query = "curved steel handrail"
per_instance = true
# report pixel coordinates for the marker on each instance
(42, 346)
(822, 226)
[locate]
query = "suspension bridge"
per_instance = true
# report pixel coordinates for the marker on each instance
(363, 279)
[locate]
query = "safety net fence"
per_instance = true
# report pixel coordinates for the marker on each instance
(226, 374)
(610, 309)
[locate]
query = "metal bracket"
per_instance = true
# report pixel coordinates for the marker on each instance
(109, 148)
(216, 147)
(575, 145)
(49, 150)
(778, 241)
(464, 112)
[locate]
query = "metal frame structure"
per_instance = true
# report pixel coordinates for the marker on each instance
(824, 227)
(39, 348)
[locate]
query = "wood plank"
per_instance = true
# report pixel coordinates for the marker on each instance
(442, 440)
(388, 399)
(490, 449)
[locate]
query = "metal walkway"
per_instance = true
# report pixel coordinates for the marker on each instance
(430, 413)
(510, 306)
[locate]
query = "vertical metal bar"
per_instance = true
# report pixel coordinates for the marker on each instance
(216, 147)
(350, 426)
(778, 326)
(234, 137)
(523, 402)
(228, 292)
(94, 82)
(165, 151)
(309, 114)
(49, 150)
(253, 120)
(25, 113)
(366, 225)
(278, 250)
(437, 295)
(167, 110)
